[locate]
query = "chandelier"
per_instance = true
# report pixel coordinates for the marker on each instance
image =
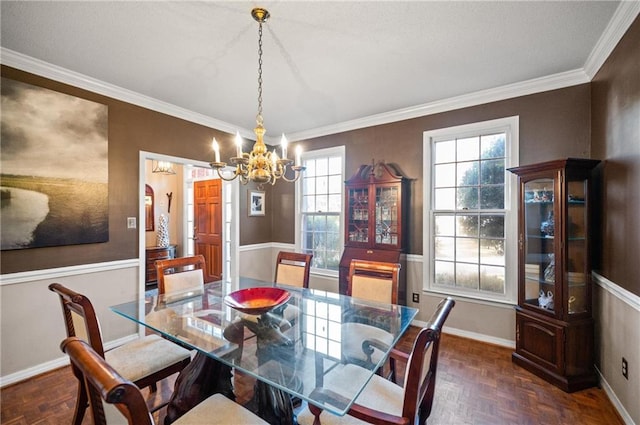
(260, 165)
(162, 167)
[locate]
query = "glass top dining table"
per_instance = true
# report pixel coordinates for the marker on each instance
(289, 348)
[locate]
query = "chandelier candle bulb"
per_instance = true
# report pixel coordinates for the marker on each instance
(298, 154)
(283, 143)
(275, 159)
(239, 145)
(216, 149)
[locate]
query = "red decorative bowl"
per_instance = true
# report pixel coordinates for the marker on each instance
(257, 300)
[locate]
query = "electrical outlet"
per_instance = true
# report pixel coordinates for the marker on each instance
(625, 368)
(416, 297)
(131, 222)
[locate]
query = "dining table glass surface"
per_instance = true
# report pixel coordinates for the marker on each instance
(291, 346)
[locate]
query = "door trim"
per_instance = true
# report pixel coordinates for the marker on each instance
(232, 256)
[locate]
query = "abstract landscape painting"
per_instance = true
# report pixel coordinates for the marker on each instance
(54, 168)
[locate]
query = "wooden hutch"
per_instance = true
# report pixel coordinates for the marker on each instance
(376, 202)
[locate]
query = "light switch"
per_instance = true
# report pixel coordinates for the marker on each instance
(131, 222)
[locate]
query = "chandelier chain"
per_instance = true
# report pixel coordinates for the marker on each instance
(260, 165)
(259, 119)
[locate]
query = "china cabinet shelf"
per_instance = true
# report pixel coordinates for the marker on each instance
(554, 324)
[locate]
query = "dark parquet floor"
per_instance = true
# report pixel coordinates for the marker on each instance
(476, 384)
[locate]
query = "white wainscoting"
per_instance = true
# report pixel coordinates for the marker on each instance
(32, 325)
(617, 316)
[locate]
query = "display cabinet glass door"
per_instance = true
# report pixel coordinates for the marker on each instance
(577, 250)
(387, 198)
(358, 220)
(539, 238)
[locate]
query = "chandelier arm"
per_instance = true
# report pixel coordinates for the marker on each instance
(227, 179)
(296, 177)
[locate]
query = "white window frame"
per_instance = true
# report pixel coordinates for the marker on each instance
(510, 126)
(320, 153)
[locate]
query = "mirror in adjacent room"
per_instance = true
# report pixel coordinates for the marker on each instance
(148, 208)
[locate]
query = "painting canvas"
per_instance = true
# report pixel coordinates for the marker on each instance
(54, 168)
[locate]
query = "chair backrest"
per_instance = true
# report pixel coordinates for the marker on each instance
(374, 281)
(293, 268)
(79, 316)
(420, 376)
(180, 274)
(104, 384)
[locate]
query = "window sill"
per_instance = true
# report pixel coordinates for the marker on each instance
(324, 273)
(505, 303)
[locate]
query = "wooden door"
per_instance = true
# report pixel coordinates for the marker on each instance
(207, 217)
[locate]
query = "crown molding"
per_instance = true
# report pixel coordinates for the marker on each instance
(620, 22)
(618, 25)
(44, 69)
(536, 85)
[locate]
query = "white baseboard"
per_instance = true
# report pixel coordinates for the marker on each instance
(54, 364)
(614, 399)
(472, 335)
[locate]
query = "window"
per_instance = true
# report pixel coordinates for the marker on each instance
(471, 210)
(319, 231)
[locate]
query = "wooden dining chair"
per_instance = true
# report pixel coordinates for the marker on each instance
(116, 400)
(181, 275)
(383, 401)
(372, 281)
(293, 269)
(144, 361)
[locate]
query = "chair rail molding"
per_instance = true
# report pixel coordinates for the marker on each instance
(58, 272)
(619, 292)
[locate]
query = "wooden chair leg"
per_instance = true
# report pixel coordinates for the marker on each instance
(153, 387)
(82, 402)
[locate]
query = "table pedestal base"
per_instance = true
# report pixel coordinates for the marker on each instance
(271, 404)
(205, 376)
(202, 378)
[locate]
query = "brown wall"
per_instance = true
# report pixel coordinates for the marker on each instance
(553, 125)
(615, 110)
(131, 129)
(565, 132)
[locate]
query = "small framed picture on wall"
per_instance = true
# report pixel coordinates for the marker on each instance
(256, 203)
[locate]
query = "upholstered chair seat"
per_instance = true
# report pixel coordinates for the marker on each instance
(380, 394)
(115, 400)
(144, 357)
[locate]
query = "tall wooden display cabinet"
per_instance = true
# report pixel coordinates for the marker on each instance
(554, 325)
(376, 203)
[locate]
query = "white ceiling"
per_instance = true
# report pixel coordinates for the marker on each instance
(325, 63)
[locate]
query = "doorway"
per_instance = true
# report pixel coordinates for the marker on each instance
(191, 174)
